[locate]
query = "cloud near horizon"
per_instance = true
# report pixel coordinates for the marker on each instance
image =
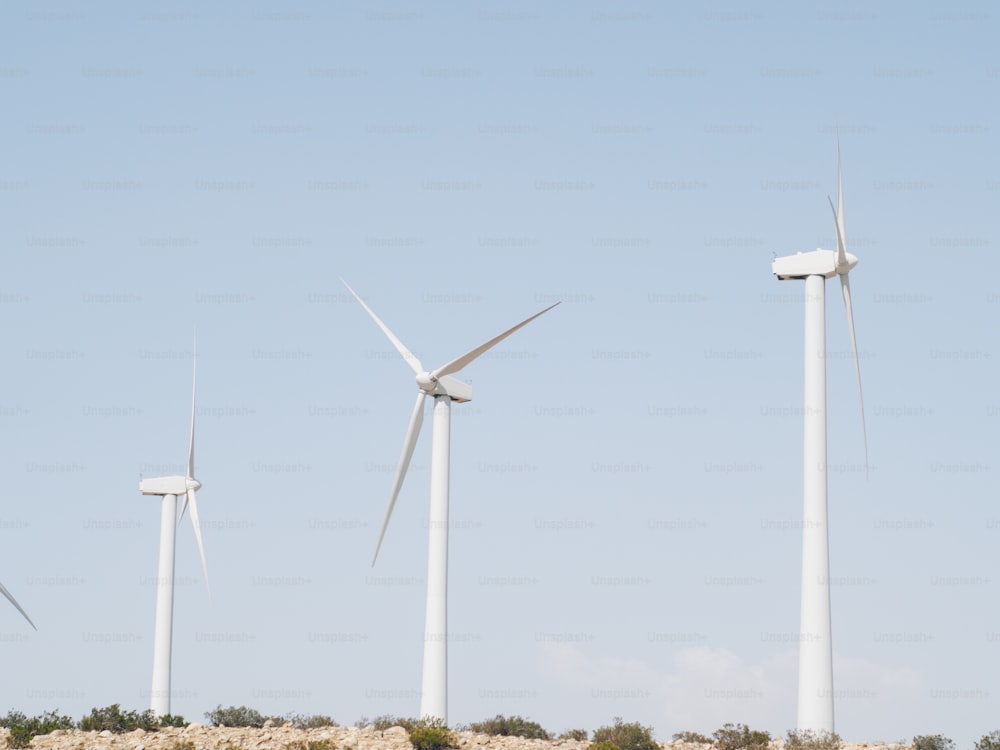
(701, 688)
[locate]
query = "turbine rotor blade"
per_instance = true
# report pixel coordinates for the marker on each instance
(841, 245)
(12, 600)
(412, 433)
(841, 240)
(457, 364)
(190, 499)
(194, 396)
(845, 286)
(407, 355)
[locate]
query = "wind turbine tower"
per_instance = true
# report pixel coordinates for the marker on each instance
(815, 695)
(444, 389)
(169, 488)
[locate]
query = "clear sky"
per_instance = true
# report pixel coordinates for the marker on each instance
(626, 483)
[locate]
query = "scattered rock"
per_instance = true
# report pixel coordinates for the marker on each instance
(340, 738)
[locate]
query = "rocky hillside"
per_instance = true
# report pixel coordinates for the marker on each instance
(200, 737)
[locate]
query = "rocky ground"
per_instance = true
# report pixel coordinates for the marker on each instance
(338, 738)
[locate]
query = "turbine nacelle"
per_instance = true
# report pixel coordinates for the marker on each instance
(168, 486)
(444, 386)
(816, 263)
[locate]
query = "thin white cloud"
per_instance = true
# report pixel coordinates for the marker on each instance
(702, 688)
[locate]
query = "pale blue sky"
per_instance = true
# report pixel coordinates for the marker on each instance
(463, 166)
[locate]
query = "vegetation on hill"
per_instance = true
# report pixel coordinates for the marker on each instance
(932, 742)
(740, 737)
(807, 739)
(511, 726)
(622, 736)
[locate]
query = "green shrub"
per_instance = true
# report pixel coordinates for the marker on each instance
(510, 726)
(692, 737)
(23, 728)
(624, 736)
(172, 720)
(431, 734)
(989, 741)
(580, 735)
(298, 721)
(113, 719)
(235, 717)
(740, 737)
(932, 742)
(20, 736)
(182, 745)
(807, 739)
(603, 745)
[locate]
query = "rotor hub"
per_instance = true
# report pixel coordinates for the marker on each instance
(427, 382)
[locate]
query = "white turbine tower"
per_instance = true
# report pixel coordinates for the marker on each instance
(439, 385)
(169, 488)
(815, 704)
(12, 600)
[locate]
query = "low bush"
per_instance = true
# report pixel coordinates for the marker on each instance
(511, 726)
(989, 741)
(740, 737)
(172, 720)
(692, 737)
(235, 716)
(632, 736)
(113, 719)
(298, 721)
(580, 735)
(431, 734)
(20, 736)
(807, 739)
(49, 721)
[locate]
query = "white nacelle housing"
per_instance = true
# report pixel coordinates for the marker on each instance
(164, 486)
(799, 266)
(458, 390)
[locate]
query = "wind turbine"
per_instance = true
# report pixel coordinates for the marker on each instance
(12, 600)
(439, 385)
(169, 488)
(815, 704)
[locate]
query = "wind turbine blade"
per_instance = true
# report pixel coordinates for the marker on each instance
(845, 286)
(190, 499)
(841, 246)
(457, 364)
(194, 395)
(17, 606)
(407, 355)
(412, 433)
(839, 213)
